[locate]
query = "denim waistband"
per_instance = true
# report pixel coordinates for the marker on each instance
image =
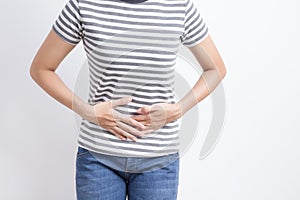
(132, 164)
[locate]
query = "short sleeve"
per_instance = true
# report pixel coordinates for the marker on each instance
(68, 24)
(195, 29)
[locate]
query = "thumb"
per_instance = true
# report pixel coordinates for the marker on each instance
(144, 110)
(121, 101)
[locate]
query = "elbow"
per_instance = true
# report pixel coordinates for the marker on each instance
(33, 72)
(36, 72)
(222, 72)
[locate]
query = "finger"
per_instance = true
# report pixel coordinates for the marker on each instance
(132, 122)
(127, 119)
(130, 130)
(155, 123)
(121, 101)
(120, 136)
(147, 131)
(124, 133)
(145, 123)
(134, 131)
(141, 117)
(144, 110)
(141, 133)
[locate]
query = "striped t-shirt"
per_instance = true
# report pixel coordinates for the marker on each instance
(131, 48)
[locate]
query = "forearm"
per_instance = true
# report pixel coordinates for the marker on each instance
(51, 83)
(207, 82)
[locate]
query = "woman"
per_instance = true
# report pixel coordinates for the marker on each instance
(128, 141)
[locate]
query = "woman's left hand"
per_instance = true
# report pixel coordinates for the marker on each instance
(157, 115)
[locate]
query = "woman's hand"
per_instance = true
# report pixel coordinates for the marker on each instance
(157, 115)
(105, 115)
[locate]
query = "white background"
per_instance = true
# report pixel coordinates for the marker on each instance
(258, 156)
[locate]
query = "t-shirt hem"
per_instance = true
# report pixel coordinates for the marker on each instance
(152, 155)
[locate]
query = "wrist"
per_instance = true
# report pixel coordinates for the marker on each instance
(177, 111)
(83, 109)
(87, 111)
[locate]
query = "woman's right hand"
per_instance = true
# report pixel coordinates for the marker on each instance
(122, 126)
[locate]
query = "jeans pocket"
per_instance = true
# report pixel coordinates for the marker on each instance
(81, 151)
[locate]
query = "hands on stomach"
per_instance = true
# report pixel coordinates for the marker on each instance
(149, 118)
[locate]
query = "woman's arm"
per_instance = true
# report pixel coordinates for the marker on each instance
(214, 71)
(206, 53)
(42, 70)
(49, 56)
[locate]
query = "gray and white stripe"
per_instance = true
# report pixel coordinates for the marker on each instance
(131, 50)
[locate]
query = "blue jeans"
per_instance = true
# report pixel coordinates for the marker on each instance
(97, 181)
